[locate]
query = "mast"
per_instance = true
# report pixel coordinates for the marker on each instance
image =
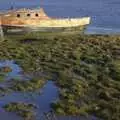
(41, 4)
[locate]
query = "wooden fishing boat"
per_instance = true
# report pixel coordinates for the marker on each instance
(27, 20)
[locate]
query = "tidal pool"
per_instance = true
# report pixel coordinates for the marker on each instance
(42, 98)
(49, 93)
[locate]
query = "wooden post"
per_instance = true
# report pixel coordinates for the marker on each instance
(1, 30)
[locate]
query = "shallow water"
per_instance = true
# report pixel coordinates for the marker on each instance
(42, 99)
(49, 94)
(105, 13)
(16, 72)
(8, 116)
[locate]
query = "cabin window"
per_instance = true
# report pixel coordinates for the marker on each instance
(28, 15)
(18, 15)
(36, 15)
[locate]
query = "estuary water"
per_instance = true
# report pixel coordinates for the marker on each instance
(105, 13)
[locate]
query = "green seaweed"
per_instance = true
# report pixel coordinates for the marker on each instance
(86, 69)
(27, 86)
(25, 110)
(5, 69)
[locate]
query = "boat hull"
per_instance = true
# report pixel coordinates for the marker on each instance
(24, 30)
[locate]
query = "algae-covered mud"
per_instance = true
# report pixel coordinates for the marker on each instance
(84, 74)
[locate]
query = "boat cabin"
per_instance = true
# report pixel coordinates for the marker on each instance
(27, 13)
(21, 15)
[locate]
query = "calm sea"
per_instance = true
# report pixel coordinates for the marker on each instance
(105, 13)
